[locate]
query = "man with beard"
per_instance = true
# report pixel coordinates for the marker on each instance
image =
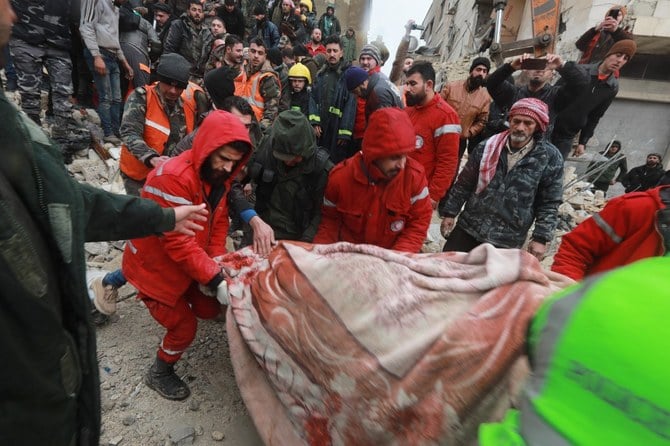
(314, 46)
(189, 37)
(584, 112)
(471, 101)
(233, 54)
(437, 130)
(177, 277)
(644, 177)
(379, 196)
(574, 81)
(511, 181)
(163, 18)
(259, 84)
(329, 23)
(99, 28)
(337, 107)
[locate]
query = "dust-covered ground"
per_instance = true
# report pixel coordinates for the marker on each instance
(133, 414)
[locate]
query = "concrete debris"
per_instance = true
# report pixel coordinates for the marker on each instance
(182, 435)
(116, 441)
(217, 436)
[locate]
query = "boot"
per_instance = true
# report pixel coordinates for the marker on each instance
(162, 378)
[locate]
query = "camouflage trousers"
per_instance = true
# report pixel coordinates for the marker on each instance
(29, 61)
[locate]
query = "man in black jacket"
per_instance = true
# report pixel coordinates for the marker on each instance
(583, 114)
(644, 177)
(189, 37)
(504, 93)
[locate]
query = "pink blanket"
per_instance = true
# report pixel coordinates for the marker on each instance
(358, 345)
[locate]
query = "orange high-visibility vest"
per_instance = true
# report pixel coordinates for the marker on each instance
(157, 129)
(248, 88)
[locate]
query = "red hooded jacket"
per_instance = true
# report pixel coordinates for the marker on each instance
(361, 206)
(438, 133)
(623, 232)
(163, 267)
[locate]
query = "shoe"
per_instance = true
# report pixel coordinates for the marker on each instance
(162, 378)
(112, 139)
(104, 296)
(98, 318)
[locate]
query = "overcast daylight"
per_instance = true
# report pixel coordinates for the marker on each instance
(388, 19)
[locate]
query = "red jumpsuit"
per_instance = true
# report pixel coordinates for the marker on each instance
(167, 269)
(362, 206)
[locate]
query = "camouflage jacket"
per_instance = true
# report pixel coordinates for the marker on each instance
(45, 21)
(183, 38)
(503, 213)
(132, 125)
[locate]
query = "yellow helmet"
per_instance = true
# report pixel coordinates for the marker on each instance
(307, 3)
(298, 70)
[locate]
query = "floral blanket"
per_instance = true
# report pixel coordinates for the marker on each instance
(356, 345)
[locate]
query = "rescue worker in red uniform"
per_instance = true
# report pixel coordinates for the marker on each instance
(380, 195)
(437, 129)
(631, 227)
(177, 276)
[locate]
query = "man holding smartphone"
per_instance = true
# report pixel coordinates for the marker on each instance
(597, 41)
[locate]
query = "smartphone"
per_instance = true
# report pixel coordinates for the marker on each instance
(534, 64)
(614, 14)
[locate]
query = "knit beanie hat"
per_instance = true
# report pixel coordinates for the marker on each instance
(259, 10)
(372, 51)
(355, 76)
(480, 61)
(626, 46)
(220, 84)
(274, 56)
(230, 2)
(173, 69)
(533, 108)
(660, 157)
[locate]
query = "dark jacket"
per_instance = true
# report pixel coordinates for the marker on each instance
(45, 21)
(608, 173)
(234, 21)
(643, 177)
(381, 93)
(194, 45)
(336, 29)
(289, 199)
(49, 383)
(301, 101)
(584, 113)
(574, 80)
(594, 45)
(267, 31)
(503, 213)
(337, 107)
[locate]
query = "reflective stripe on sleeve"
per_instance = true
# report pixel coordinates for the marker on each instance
(420, 196)
(165, 196)
(448, 128)
(609, 230)
(328, 203)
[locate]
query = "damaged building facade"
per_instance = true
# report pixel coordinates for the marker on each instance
(639, 116)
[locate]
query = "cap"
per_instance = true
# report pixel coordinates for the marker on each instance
(173, 69)
(372, 51)
(220, 84)
(625, 46)
(480, 61)
(354, 76)
(533, 108)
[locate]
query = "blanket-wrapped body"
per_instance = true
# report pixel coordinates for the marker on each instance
(357, 345)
